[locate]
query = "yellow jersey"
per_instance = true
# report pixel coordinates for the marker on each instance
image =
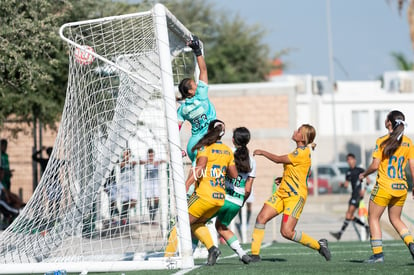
(211, 186)
(391, 174)
(295, 174)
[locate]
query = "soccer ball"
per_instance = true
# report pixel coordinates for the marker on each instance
(82, 56)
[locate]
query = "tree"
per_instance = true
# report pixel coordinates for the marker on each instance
(401, 61)
(34, 61)
(33, 58)
(410, 15)
(238, 54)
(235, 52)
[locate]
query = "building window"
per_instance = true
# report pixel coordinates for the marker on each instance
(360, 123)
(380, 116)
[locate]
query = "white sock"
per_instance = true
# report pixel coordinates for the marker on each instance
(235, 245)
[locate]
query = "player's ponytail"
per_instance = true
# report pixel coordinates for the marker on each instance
(241, 137)
(216, 130)
(309, 134)
(183, 88)
(398, 125)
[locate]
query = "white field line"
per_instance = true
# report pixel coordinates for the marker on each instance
(182, 272)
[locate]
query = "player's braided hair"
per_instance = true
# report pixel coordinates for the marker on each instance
(214, 133)
(391, 144)
(241, 137)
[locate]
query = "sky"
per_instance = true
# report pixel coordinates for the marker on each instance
(364, 33)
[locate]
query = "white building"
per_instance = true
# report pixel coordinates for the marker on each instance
(355, 113)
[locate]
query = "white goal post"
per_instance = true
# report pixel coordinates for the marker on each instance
(104, 202)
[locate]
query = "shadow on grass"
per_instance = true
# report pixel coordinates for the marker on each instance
(357, 261)
(273, 260)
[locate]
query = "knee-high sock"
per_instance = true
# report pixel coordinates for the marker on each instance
(124, 211)
(376, 246)
(344, 226)
(306, 240)
(194, 242)
(257, 238)
(202, 233)
(406, 236)
(249, 214)
(233, 242)
(172, 244)
(358, 221)
(154, 209)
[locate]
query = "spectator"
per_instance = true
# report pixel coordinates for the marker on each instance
(111, 189)
(42, 161)
(9, 212)
(151, 182)
(5, 165)
(127, 185)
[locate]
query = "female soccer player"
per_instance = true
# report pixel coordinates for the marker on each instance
(291, 195)
(214, 162)
(197, 108)
(237, 191)
(390, 157)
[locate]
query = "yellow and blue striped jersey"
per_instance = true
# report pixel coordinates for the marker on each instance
(211, 186)
(391, 174)
(295, 174)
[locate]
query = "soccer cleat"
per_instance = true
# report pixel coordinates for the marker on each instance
(213, 254)
(376, 258)
(246, 259)
(255, 258)
(336, 235)
(324, 250)
(411, 248)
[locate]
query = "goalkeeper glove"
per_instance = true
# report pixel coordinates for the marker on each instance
(195, 45)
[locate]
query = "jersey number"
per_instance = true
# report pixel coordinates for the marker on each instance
(200, 122)
(218, 175)
(394, 171)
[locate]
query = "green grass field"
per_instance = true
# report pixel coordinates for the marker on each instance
(292, 258)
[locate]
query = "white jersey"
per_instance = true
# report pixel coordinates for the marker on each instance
(151, 170)
(236, 194)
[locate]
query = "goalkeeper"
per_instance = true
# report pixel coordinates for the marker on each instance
(196, 108)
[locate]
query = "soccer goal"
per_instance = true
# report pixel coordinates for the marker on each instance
(103, 204)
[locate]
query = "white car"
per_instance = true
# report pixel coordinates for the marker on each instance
(335, 174)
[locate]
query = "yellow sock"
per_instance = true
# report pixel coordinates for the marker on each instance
(376, 246)
(172, 243)
(406, 236)
(257, 238)
(306, 240)
(202, 233)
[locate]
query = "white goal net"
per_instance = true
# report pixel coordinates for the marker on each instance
(114, 184)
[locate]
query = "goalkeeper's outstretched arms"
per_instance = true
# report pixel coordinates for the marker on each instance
(187, 86)
(194, 44)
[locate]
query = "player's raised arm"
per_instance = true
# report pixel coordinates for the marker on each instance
(273, 157)
(195, 45)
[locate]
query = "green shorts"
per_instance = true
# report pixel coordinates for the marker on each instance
(227, 212)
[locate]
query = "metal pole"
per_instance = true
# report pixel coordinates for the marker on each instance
(331, 78)
(34, 163)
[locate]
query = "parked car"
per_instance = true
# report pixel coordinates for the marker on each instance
(323, 186)
(334, 173)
